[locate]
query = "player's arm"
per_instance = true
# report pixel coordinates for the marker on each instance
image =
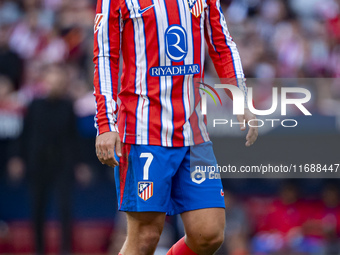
(226, 59)
(107, 41)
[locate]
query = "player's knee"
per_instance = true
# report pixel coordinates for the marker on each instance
(148, 240)
(207, 240)
(212, 241)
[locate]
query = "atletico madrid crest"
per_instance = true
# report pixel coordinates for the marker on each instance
(98, 22)
(196, 7)
(145, 190)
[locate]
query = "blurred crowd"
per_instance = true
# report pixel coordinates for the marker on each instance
(288, 38)
(35, 35)
(46, 52)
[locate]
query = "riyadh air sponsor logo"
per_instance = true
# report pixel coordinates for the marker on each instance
(141, 11)
(176, 49)
(174, 70)
(98, 22)
(145, 190)
(176, 43)
(239, 104)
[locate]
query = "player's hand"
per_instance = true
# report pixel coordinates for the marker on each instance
(106, 144)
(253, 131)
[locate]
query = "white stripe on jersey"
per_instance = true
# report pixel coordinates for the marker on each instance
(142, 111)
(166, 82)
(169, 83)
(201, 118)
(187, 131)
(124, 137)
(202, 39)
(104, 64)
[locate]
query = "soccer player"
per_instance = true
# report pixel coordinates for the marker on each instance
(158, 132)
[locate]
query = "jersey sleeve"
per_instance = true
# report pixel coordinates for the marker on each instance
(107, 44)
(222, 48)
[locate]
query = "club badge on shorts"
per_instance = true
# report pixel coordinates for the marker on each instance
(196, 7)
(145, 190)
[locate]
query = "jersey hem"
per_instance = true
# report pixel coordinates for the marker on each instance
(155, 141)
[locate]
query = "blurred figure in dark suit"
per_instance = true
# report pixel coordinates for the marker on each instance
(11, 65)
(47, 146)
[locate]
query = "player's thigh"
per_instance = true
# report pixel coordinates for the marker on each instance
(206, 223)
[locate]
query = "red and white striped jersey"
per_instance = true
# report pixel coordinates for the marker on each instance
(162, 43)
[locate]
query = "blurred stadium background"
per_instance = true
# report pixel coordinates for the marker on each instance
(46, 49)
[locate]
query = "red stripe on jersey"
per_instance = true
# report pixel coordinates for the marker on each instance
(198, 138)
(177, 81)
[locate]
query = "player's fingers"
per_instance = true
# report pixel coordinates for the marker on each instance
(97, 148)
(114, 162)
(241, 119)
(104, 151)
(251, 136)
(105, 157)
(111, 162)
(250, 133)
(111, 158)
(108, 159)
(99, 153)
(110, 153)
(118, 148)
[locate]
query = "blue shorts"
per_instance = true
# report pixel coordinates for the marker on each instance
(165, 179)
